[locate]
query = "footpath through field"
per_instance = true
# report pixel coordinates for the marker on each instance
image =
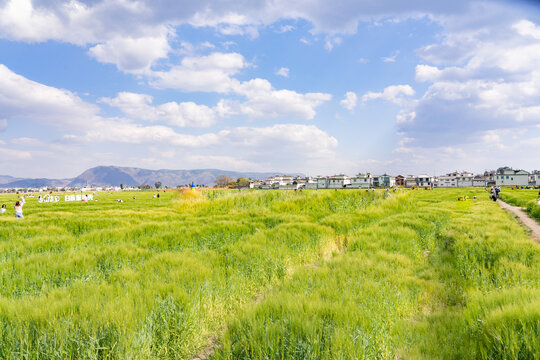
(524, 219)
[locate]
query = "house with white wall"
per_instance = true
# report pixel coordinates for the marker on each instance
(384, 180)
(534, 178)
(322, 182)
(424, 180)
(338, 181)
(479, 181)
(410, 181)
(446, 181)
(464, 179)
(510, 177)
(360, 181)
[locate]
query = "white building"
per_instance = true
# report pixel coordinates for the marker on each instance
(338, 181)
(446, 181)
(384, 180)
(424, 180)
(361, 181)
(410, 181)
(510, 177)
(479, 181)
(464, 179)
(534, 178)
(322, 182)
(311, 183)
(279, 180)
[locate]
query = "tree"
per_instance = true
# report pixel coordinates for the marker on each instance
(242, 182)
(158, 184)
(145, 187)
(122, 186)
(223, 180)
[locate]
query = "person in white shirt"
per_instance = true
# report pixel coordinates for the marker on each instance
(18, 210)
(3, 210)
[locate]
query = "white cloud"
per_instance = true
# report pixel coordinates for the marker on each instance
(277, 141)
(265, 101)
(332, 41)
(350, 100)
(391, 58)
(283, 72)
(483, 82)
(132, 55)
(527, 28)
(139, 106)
(21, 98)
(14, 154)
(405, 116)
(212, 73)
(3, 124)
(427, 73)
(124, 131)
(393, 93)
(285, 28)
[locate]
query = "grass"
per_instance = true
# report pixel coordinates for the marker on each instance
(269, 275)
(526, 198)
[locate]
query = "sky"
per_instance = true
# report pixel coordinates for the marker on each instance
(310, 86)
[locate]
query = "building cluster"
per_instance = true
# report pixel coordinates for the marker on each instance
(501, 177)
(68, 189)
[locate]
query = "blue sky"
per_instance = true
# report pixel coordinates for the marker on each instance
(317, 87)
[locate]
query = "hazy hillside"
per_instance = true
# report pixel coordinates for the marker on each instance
(115, 175)
(35, 183)
(4, 179)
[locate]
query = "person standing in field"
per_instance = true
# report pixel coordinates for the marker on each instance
(18, 210)
(3, 209)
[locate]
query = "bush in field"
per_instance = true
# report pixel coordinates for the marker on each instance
(188, 193)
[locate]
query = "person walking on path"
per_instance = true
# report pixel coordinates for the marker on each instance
(18, 210)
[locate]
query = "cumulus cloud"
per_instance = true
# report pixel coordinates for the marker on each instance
(283, 72)
(83, 22)
(212, 73)
(495, 88)
(306, 141)
(139, 106)
(393, 93)
(21, 98)
(350, 100)
(265, 101)
(132, 55)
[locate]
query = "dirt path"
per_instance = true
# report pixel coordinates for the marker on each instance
(524, 218)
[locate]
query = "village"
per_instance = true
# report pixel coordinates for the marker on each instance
(504, 176)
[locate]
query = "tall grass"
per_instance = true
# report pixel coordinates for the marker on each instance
(151, 278)
(269, 275)
(527, 198)
(428, 277)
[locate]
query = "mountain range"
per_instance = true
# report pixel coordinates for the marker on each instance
(129, 176)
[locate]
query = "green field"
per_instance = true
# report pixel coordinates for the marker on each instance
(526, 198)
(269, 275)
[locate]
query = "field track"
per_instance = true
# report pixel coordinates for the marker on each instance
(524, 219)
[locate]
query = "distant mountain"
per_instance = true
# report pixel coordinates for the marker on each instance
(4, 179)
(115, 175)
(36, 183)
